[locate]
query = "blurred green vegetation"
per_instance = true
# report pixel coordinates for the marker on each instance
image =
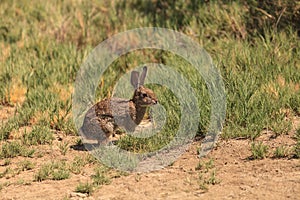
(254, 44)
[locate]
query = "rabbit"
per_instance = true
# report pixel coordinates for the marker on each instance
(111, 115)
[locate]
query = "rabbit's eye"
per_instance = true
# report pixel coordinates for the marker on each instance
(144, 95)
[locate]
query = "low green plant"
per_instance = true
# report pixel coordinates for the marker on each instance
(38, 135)
(281, 152)
(44, 173)
(259, 150)
(207, 174)
(7, 161)
(60, 117)
(99, 177)
(297, 146)
(18, 120)
(53, 171)
(85, 188)
(206, 166)
(23, 182)
(60, 174)
(77, 164)
(15, 148)
(207, 179)
(5, 80)
(63, 147)
(279, 125)
(25, 165)
(8, 173)
(212, 180)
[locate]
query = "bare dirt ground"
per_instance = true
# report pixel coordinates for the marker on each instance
(233, 175)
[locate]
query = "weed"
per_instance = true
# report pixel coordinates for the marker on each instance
(21, 118)
(91, 159)
(63, 147)
(60, 117)
(212, 180)
(205, 180)
(99, 178)
(25, 165)
(85, 188)
(280, 125)
(23, 182)
(281, 152)
(137, 177)
(7, 161)
(8, 173)
(60, 174)
(53, 171)
(43, 173)
(297, 147)
(259, 150)
(77, 164)
(13, 149)
(79, 142)
(38, 135)
(201, 183)
(206, 166)
(5, 80)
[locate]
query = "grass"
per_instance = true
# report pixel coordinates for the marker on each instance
(297, 146)
(52, 171)
(7, 173)
(38, 135)
(26, 165)
(85, 188)
(206, 166)
(13, 149)
(255, 47)
(281, 152)
(63, 147)
(207, 174)
(259, 150)
(100, 177)
(252, 63)
(77, 164)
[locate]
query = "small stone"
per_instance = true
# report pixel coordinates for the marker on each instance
(78, 194)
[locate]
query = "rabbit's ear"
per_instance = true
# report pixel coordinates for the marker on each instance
(135, 79)
(143, 76)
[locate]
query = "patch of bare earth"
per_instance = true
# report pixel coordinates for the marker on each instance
(5, 113)
(238, 177)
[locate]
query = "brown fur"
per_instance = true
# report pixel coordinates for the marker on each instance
(110, 115)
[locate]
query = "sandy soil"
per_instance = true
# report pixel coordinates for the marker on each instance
(235, 175)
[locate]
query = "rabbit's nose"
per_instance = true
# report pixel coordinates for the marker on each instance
(154, 101)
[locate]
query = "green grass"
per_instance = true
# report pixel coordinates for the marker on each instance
(255, 46)
(85, 188)
(100, 177)
(281, 152)
(207, 174)
(13, 149)
(77, 164)
(25, 165)
(259, 150)
(38, 135)
(205, 166)
(63, 147)
(297, 146)
(52, 171)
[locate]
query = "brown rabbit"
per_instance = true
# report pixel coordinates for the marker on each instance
(110, 115)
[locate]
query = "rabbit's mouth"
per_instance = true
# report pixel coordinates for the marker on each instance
(149, 102)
